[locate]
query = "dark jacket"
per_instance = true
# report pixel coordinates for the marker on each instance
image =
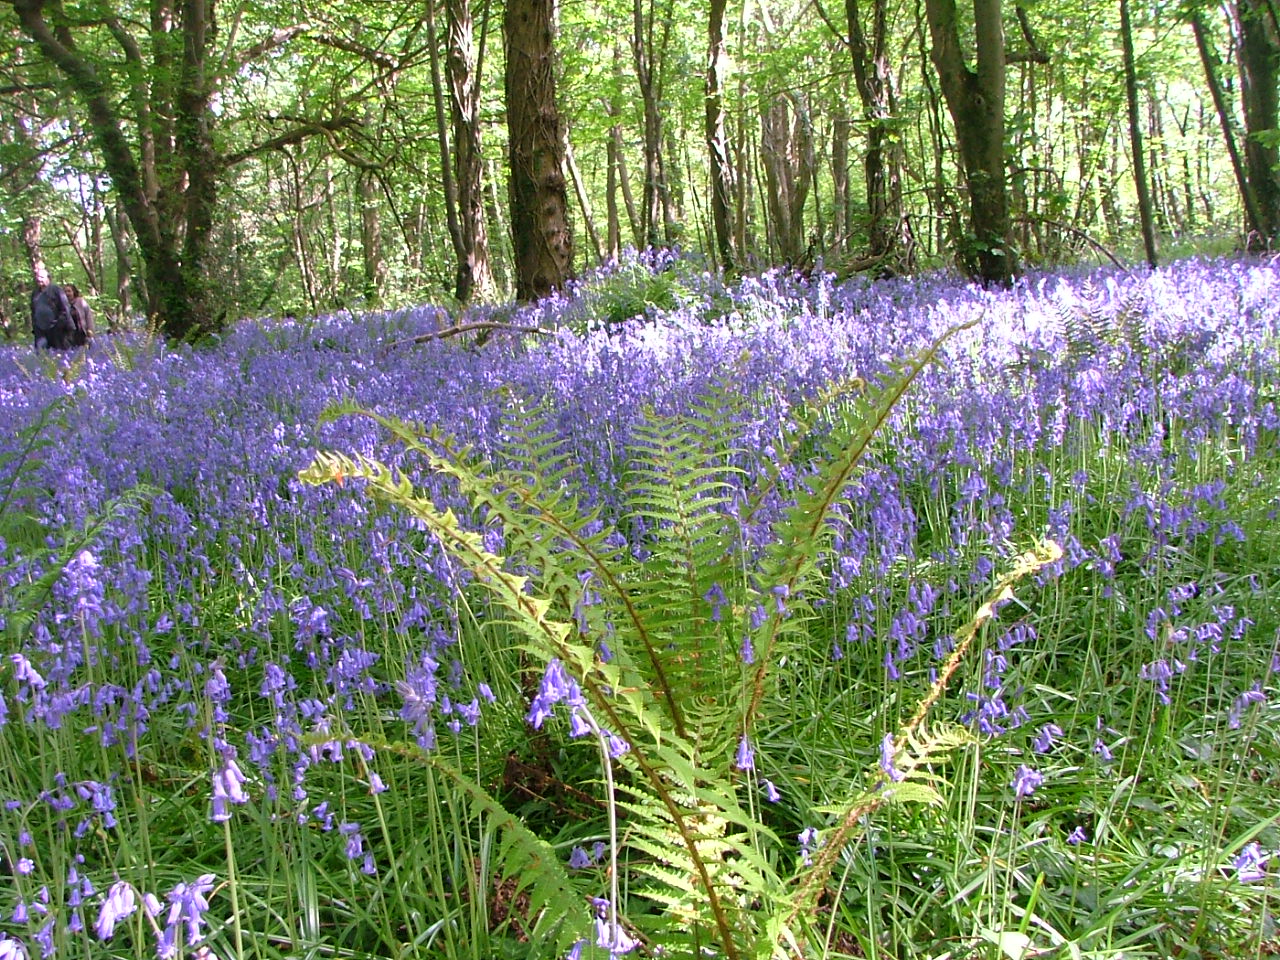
(52, 322)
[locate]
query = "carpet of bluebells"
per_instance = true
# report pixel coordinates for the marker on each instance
(188, 713)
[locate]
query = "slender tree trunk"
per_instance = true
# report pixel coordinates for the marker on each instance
(613, 227)
(584, 201)
(875, 91)
(721, 194)
(375, 264)
(841, 128)
(118, 224)
(786, 149)
(642, 50)
(1260, 98)
(1253, 214)
(540, 236)
(448, 162)
(624, 184)
(1135, 136)
(975, 98)
(474, 276)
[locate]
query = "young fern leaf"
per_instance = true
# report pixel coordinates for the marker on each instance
(18, 527)
(554, 540)
(561, 915)
(27, 599)
(558, 909)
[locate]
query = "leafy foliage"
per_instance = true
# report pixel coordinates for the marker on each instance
(639, 637)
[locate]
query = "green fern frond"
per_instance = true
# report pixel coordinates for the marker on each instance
(622, 703)
(560, 909)
(680, 493)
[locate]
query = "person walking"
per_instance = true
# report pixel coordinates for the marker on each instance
(53, 324)
(82, 315)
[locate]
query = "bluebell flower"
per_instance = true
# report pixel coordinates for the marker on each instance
(809, 842)
(716, 597)
(187, 907)
(1251, 863)
(228, 788)
(1026, 781)
(746, 757)
(120, 903)
(887, 753)
(1044, 740)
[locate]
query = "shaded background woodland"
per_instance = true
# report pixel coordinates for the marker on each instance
(195, 162)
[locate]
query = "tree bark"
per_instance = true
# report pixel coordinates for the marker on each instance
(975, 99)
(1253, 214)
(721, 198)
(375, 264)
(786, 147)
(474, 276)
(881, 163)
(540, 236)
(841, 128)
(642, 50)
(1260, 97)
(1135, 136)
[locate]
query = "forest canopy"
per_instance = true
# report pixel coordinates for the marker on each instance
(193, 162)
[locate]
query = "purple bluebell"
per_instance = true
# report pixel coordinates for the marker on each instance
(1026, 781)
(120, 903)
(1250, 863)
(887, 753)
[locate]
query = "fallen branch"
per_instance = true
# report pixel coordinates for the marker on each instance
(485, 326)
(1056, 224)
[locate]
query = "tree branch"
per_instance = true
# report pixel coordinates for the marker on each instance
(485, 326)
(304, 129)
(383, 60)
(277, 38)
(1033, 53)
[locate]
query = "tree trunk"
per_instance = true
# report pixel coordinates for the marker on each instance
(786, 146)
(642, 50)
(1253, 214)
(881, 163)
(375, 264)
(1260, 97)
(1135, 136)
(975, 99)
(474, 275)
(718, 141)
(584, 202)
(32, 229)
(841, 128)
(540, 236)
